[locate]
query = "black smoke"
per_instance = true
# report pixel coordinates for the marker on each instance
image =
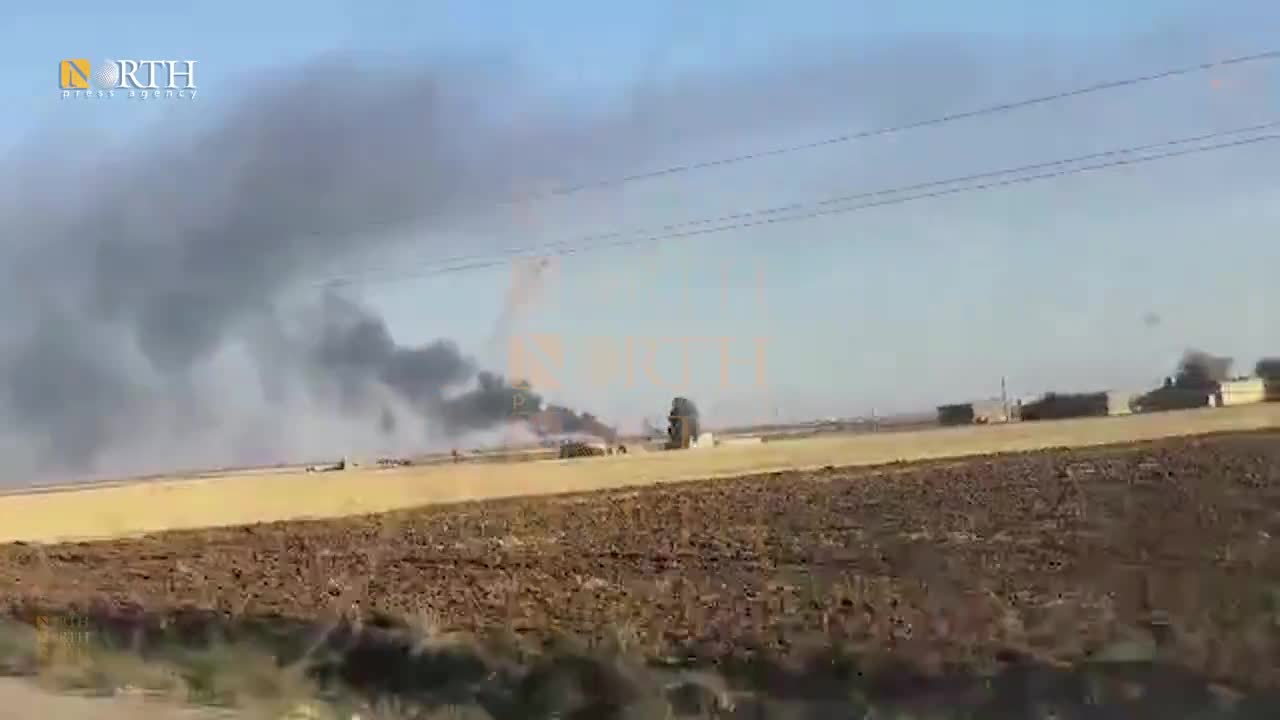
(1196, 380)
(550, 420)
(160, 301)
(135, 287)
(355, 350)
(163, 307)
(355, 357)
(1268, 369)
(683, 423)
(1199, 369)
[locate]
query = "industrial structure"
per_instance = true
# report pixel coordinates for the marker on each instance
(683, 427)
(981, 412)
(1120, 402)
(683, 432)
(1057, 406)
(1172, 397)
(1201, 381)
(1224, 393)
(956, 414)
(1239, 391)
(1049, 406)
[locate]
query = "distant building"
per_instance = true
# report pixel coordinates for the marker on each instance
(1059, 406)
(1170, 396)
(1120, 403)
(1240, 391)
(990, 411)
(957, 414)
(982, 412)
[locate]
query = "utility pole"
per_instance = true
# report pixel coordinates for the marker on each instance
(1004, 399)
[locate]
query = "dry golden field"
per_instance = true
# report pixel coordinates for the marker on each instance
(1129, 579)
(129, 509)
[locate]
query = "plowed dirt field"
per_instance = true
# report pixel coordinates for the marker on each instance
(1169, 546)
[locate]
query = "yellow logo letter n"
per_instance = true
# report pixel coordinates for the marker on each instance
(74, 74)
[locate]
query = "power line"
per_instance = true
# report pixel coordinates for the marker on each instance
(877, 132)
(1059, 163)
(821, 208)
(771, 215)
(515, 252)
(916, 125)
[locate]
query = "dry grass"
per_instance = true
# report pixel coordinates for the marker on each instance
(104, 683)
(563, 683)
(131, 509)
(21, 700)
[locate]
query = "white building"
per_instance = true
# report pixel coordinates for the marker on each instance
(1120, 402)
(1241, 391)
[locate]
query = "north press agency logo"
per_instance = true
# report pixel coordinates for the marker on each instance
(136, 79)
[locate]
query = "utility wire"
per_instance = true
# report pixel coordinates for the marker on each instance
(943, 119)
(886, 130)
(515, 252)
(1058, 163)
(831, 206)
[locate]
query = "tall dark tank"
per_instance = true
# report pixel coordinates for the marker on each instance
(682, 423)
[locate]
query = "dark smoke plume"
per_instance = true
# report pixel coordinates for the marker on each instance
(160, 300)
(1200, 369)
(163, 312)
(356, 355)
(144, 303)
(560, 420)
(1268, 368)
(683, 423)
(1198, 377)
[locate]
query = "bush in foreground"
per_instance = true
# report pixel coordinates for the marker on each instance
(402, 670)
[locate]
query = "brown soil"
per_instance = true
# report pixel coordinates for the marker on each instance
(1056, 555)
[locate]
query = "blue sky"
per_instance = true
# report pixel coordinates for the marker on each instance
(580, 47)
(889, 310)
